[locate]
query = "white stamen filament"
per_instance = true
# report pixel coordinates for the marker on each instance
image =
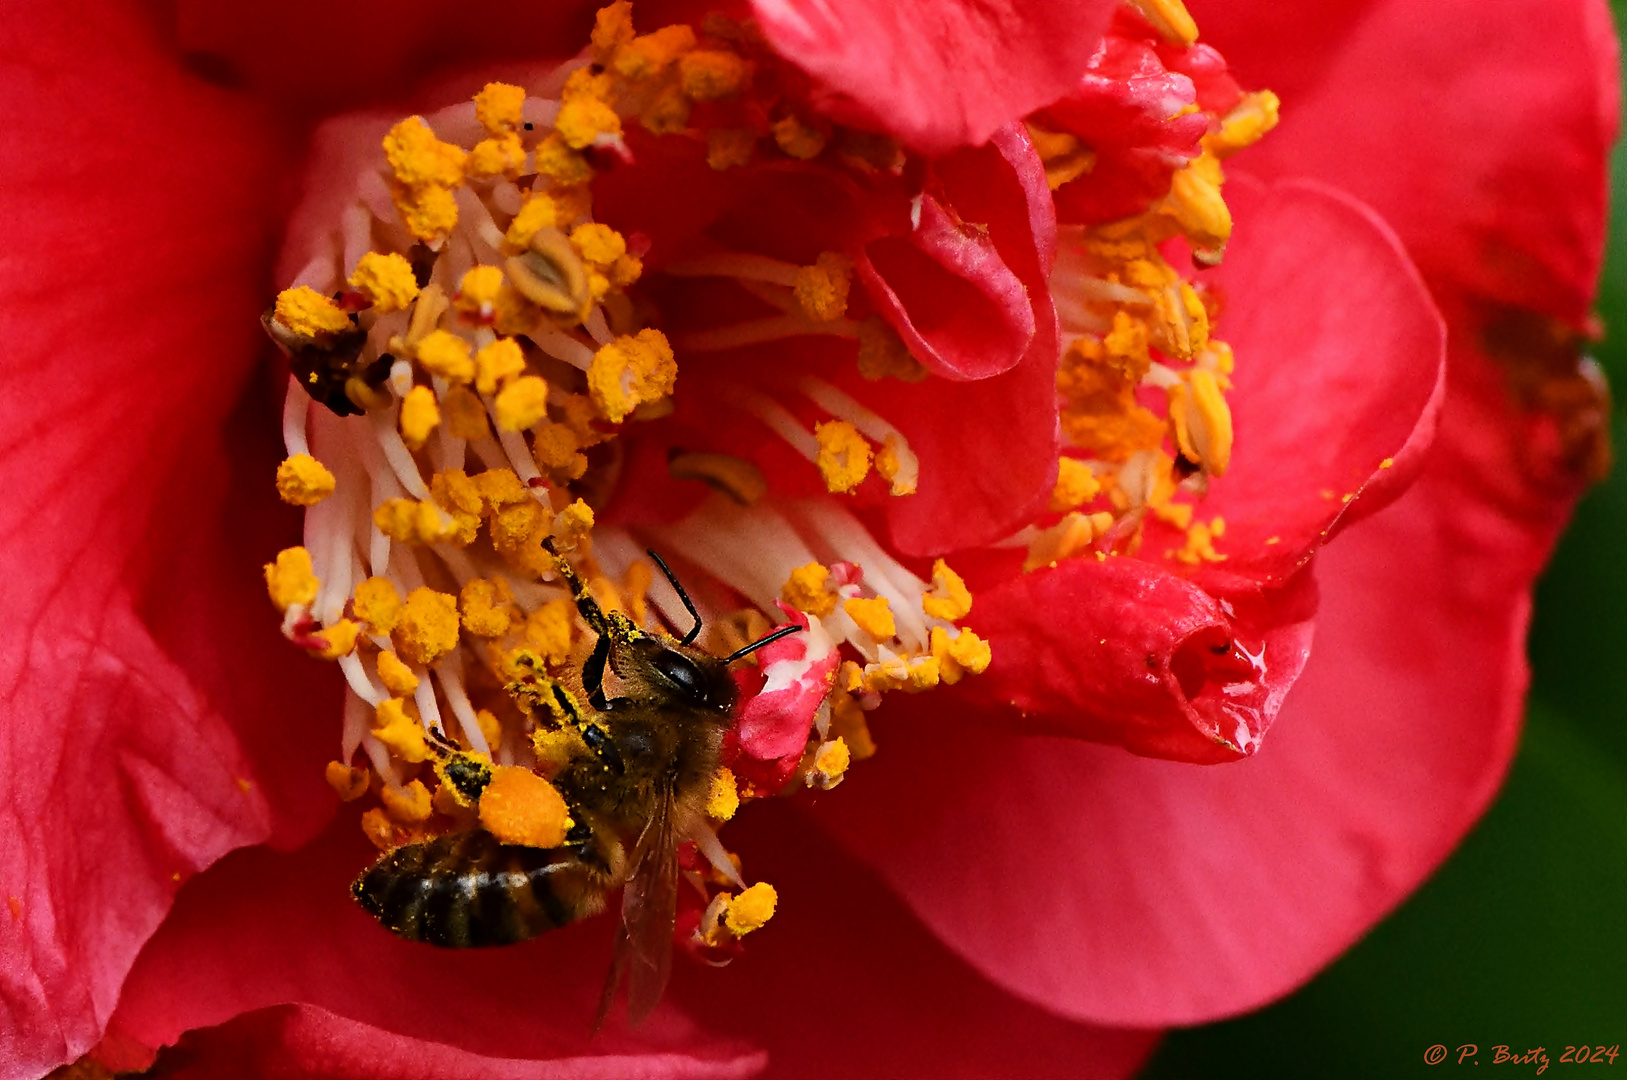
(758, 331)
(296, 407)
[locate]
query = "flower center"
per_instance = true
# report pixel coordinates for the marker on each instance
(479, 346)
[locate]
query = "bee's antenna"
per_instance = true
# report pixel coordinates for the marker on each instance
(784, 631)
(672, 579)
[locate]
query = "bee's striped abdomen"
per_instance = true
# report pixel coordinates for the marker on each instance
(466, 889)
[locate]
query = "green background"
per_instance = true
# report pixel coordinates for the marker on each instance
(1521, 938)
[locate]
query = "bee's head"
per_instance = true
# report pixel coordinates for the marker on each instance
(691, 677)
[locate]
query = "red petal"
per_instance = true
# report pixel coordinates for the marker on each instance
(905, 1005)
(315, 1044)
(937, 73)
(319, 58)
(141, 206)
(1340, 369)
(1171, 895)
(1120, 651)
(226, 949)
(1499, 186)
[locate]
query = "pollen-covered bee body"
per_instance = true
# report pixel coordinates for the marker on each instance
(466, 890)
(651, 712)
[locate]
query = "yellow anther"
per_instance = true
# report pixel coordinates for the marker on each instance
(409, 805)
(1062, 154)
(882, 353)
(739, 479)
(488, 608)
(304, 481)
(809, 589)
(428, 629)
(420, 415)
(291, 579)
(711, 74)
(1387, 463)
(632, 371)
(490, 728)
(1100, 412)
(612, 28)
(844, 456)
(397, 519)
(751, 909)
(419, 159)
(557, 449)
(651, 54)
(959, 654)
(850, 677)
(517, 529)
(598, 244)
(829, 764)
(873, 616)
(729, 148)
(520, 807)
(1076, 484)
(1202, 421)
(522, 403)
(1200, 543)
(898, 465)
(583, 120)
(724, 799)
(667, 112)
(386, 280)
(499, 488)
(400, 731)
(496, 364)
(377, 604)
(821, 289)
(308, 313)
(348, 783)
(911, 674)
(949, 599)
(799, 140)
(445, 354)
(429, 213)
(625, 270)
(501, 155)
(1246, 124)
(1170, 18)
(1196, 205)
(337, 640)
(477, 292)
(1067, 538)
(1125, 347)
(396, 676)
(847, 721)
(385, 834)
(559, 163)
(464, 414)
(573, 524)
(498, 107)
(548, 630)
(539, 212)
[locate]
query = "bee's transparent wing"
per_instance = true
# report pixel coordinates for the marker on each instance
(649, 910)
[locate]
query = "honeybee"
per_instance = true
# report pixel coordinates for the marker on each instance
(653, 751)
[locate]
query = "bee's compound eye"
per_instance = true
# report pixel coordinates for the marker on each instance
(677, 667)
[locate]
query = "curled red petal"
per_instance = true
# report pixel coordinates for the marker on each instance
(797, 670)
(958, 307)
(1327, 318)
(940, 73)
(1121, 651)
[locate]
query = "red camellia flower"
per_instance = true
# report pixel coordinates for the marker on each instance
(933, 336)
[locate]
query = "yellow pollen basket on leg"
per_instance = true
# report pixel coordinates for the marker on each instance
(520, 807)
